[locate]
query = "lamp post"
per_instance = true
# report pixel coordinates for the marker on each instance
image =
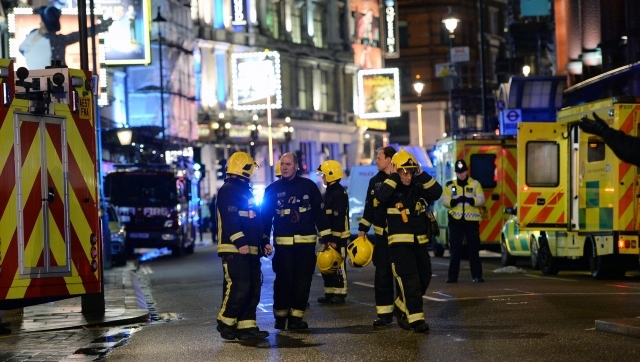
(158, 20)
(451, 23)
(418, 86)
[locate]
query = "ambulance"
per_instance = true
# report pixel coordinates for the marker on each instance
(50, 237)
(579, 196)
(492, 162)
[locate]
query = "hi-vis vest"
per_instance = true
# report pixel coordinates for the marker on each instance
(472, 189)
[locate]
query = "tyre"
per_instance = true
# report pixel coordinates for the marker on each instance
(189, 249)
(438, 250)
(548, 264)
(599, 265)
(535, 254)
(505, 257)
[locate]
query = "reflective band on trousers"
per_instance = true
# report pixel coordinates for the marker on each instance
(297, 239)
(407, 238)
(230, 248)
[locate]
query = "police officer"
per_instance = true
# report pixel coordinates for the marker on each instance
(294, 208)
(374, 214)
(625, 146)
(240, 244)
(463, 196)
(336, 205)
(405, 195)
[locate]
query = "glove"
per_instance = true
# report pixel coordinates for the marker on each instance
(454, 202)
(471, 201)
(595, 127)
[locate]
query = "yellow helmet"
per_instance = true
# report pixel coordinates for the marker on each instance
(241, 164)
(360, 252)
(331, 169)
(329, 260)
(403, 159)
(278, 171)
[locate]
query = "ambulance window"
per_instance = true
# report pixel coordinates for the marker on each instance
(483, 169)
(543, 164)
(595, 151)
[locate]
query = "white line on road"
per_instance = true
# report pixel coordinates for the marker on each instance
(434, 299)
(145, 269)
(364, 284)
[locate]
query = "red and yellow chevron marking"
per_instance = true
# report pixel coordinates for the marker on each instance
(626, 218)
(530, 212)
(48, 149)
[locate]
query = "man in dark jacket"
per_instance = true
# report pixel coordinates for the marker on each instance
(405, 196)
(240, 244)
(336, 205)
(625, 146)
(376, 216)
(293, 207)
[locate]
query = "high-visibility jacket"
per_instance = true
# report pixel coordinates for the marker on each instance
(239, 221)
(295, 210)
(336, 206)
(406, 207)
(464, 210)
(373, 214)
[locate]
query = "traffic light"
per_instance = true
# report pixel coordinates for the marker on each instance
(221, 169)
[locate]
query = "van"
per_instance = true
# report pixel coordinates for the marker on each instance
(357, 190)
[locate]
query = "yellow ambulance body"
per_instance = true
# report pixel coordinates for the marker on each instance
(50, 240)
(492, 161)
(577, 193)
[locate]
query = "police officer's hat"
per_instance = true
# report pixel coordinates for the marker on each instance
(461, 166)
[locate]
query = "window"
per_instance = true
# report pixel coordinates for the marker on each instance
(403, 35)
(494, 21)
(483, 168)
(318, 26)
(273, 17)
(304, 88)
(543, 164)
(326, 86)
(296, 24)
(595, 150)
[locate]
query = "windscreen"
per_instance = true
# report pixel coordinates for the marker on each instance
(141, 190)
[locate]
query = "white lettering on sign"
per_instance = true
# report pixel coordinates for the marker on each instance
(155, 211)
(238, 16)
(390, 12)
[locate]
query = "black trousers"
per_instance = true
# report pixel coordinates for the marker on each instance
(460, 230)
(411, 265)
(383, 282)
(293, 267)
(241, 290)
(336, 284)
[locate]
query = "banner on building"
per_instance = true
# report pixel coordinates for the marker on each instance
(365, 37)
(128, 41)
(391, 43)
(534, 7)
(379, 93)
(256, 80)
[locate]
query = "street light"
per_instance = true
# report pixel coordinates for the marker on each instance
(418, 86)
(124, 136)
(160, 19)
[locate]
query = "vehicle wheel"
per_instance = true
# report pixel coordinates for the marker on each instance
(177, 250)
(548, 264)
(189, 249)
(438, 250)
(535, 253)
(505, 257)
(599, 265)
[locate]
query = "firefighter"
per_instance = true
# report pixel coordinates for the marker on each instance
(373, 214)
(336, 205)
(278, 173)
(240, 244)
(462, 197)
(625, 146)
(405, 196)
(293, 207)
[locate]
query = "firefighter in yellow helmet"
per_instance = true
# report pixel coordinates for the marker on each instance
(278, 172)
(336, 206)
(463, 196)
(405, 196)
(240, 244)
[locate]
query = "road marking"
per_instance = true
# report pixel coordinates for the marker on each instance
(550, 278)
(145, 269)
(434, 299)
(623, 286)
(364, 284)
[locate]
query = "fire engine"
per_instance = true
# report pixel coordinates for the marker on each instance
(158, 205)
(492, 161)
(50, 239)
(574, 190)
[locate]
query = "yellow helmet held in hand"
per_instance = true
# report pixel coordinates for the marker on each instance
(360, 252)
(278, 171)
(403, 159)
(241, 164)
(329, 260)
(331, 169)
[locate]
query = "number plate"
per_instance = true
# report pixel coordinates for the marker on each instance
(139, 235)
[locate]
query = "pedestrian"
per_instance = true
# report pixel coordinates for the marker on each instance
(336, 205)
(406, 195)
(375, 215)
(293, 207)
(240, 246)
(462, 197)
(626, 147)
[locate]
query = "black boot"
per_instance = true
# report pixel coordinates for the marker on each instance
(401, 319)
(227, 332)
(281, 323)
(421, 327)
(383, 320)
(251, 333)
(337, 299)
(326, 299)
(297, 323)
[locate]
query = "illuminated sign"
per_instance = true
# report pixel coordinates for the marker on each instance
(379, 124)
(256, 80)
(127, 42)
(33, 51)
(238, 13)
(379, 93)
(391, 47)
(365, 38)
